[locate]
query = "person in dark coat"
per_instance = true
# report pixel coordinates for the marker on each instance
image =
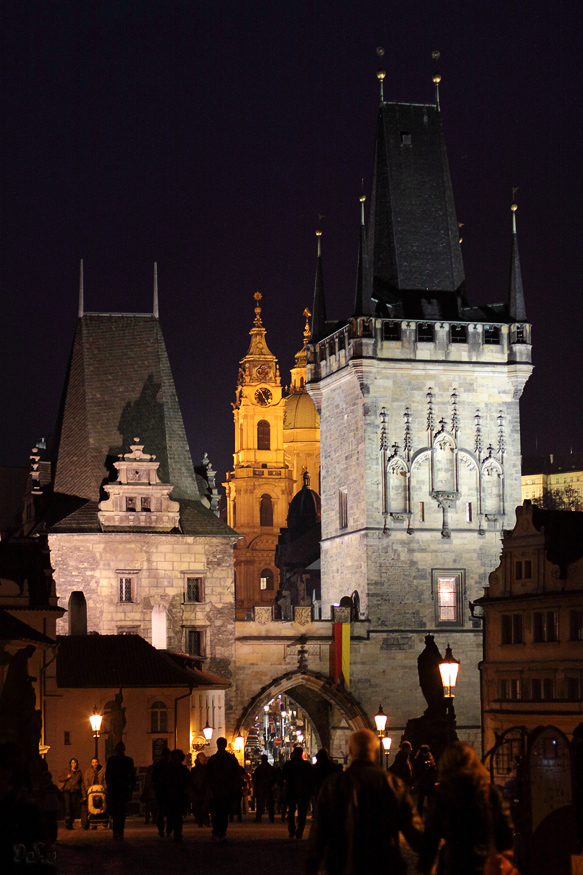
(425, 775)
(323, 767)
(263, 782)
(298, 776)
(200, 791)
(402, 766)
(120, 777)
(71, 786)
(224, 780)
(469, 814)
(94, 774)
(358, 816)
(179, 783)
(161, 784)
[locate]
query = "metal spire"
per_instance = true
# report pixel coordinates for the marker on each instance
(381, 73)
(81, 292)
(436, 78)
(156, 310)
(319, 308)
(517, 308)
(362, 300)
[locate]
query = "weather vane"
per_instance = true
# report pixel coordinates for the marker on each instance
(436, 76)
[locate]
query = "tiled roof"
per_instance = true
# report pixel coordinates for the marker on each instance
(13, 629)
(94, 661)
(118, 387)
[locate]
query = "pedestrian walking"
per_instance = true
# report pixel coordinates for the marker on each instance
(323, 767)
(71, 786)
(402, 766)
(161, 784)
(425, 776)
(178, 786)
(469, 815)
(298, 776)
(224, 781)
(120, 778)
(200, 790)
(148, 797)
(263, 782)
(93, 774)
(359, 815)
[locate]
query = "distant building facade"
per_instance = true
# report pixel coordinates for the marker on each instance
(531, 673)
(554, 481)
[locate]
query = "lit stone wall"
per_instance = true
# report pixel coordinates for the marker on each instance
(159, 564)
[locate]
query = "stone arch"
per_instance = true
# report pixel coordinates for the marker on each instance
(308, 688)
(398, 486)
(492, 478)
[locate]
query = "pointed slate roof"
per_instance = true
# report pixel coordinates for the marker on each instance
(119, 386)
(363, 305)
(414, 253)
(517, 308)
(319, 306)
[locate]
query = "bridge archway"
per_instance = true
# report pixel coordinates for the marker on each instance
(334, 713)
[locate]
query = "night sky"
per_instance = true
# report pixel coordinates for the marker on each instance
(209, 136)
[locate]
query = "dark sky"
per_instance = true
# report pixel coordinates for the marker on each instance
(208, 135)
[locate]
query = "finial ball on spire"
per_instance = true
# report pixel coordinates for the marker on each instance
(514, 207)
(437, 79)
(381, 75)
(318, 233)
(435, 55)
(362, 198)
(380, 51)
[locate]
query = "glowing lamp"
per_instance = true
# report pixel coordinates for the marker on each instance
(449, 669)
(380, 720)
(386, 742)
(208, 732)
(95, 720)
(239, 743)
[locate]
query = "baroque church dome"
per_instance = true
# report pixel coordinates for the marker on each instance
(300, 412)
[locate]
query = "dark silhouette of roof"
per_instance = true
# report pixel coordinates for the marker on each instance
(123, 661)
(563, 534)
(13, 629)
(414, 253)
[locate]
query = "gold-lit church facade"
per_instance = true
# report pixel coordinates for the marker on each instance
(277, 438)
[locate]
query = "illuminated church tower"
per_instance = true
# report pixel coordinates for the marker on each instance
(418, 394)
(260, 486)
(301, 424)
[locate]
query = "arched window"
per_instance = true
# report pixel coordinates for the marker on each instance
(266, 511)
(263, 435)
(266, 579)
(158, 717)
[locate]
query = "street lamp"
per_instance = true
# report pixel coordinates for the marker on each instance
(380, 720)
(239, 743)
(386, 742)
(207, 732)
(449, 668)
(95, 721)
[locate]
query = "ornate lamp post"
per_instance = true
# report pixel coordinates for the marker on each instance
(386, 742)
(207, 732)
(380, 720)
(95, 721)
(449, 668)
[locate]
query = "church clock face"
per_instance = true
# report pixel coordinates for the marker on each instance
(263, 397)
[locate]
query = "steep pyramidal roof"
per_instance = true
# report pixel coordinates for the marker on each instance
(319, 305)
(119, 386)
(414, 253)
(517, 308)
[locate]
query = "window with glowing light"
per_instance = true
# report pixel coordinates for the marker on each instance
(447, 591)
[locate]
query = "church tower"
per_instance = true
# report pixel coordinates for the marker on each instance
(418, 394)
(301, 424)
(260, 486)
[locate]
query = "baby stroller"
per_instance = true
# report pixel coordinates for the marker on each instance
(94, 809)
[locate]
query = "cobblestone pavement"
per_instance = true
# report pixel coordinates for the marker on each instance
(257, 849)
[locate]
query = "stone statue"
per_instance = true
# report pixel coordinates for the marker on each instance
(116, 722)
(430, 677)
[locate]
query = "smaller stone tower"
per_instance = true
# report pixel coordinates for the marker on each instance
(260, 486)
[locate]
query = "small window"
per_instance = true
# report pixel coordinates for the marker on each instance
(545, 626)
(421, 511)
(542, 689)
(491, 334)
(194, 642)
(127, 630)
(145, 505)
(130, 503)
(66, 737)
(518, 571)
(572, 688)
(468, 511)
(576, 625)
(458, 334)
(425, 332)
(342, 509)
(510, 688)
(405, 138)
(520, 334)
(447, 586)
(263, 435)
(126, 589)
(158, 717)
(391, 330)
(266, 511)
(194, 589)
(511, 629)
(266, 579)
(341, 346)
(528, 569)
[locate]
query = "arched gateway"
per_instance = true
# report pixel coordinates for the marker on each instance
(334, 712)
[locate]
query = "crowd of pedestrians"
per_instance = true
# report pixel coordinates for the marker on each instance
(458, 824)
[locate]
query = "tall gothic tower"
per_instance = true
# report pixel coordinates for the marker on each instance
(420, 446)
(260, 486)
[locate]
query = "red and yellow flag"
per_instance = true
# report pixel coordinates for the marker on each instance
(342, 654)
